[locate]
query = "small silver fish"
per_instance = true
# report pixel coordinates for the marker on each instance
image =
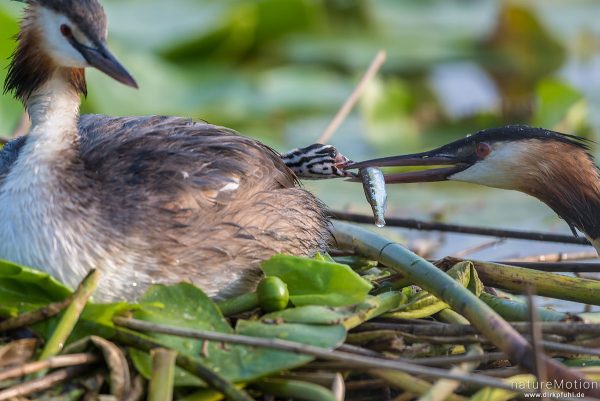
(374, 186)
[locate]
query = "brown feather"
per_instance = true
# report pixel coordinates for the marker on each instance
(565, 178)
(160, 180)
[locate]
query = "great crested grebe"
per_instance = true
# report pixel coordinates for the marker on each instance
(143, 199)
(553, 167)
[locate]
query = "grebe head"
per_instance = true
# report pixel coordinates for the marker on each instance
(555, 168)
(62, 34)
(513, 157)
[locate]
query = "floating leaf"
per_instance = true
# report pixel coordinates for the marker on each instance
(23, 289)
(318, 282)
(184, 305)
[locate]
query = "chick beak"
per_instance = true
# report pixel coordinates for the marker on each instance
(101, 58)
(432, 158)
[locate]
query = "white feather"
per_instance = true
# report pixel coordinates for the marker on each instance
(35, 230)
(499, 169)
(57, 46)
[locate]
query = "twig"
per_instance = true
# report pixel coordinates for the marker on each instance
(343, 113)
(456, 330)
(353, 349)
(365, 384)
(569, 348)
(68, 321)
(455, 359)
(479, 247)
(506, 372)
(558, 257)
(536, 341)
(460, 229)
(464, 340)
(323, 353)
(30, 318)
(61, 361)
(44, 383)
(548, 345)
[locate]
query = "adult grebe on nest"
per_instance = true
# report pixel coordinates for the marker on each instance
(142, 199)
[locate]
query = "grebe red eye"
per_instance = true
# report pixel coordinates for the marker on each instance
(483, 149)
(66, 31)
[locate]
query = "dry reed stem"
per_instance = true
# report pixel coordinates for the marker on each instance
(347, 107)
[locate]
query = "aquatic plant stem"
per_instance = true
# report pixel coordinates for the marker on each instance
(238, 304)
(555, 267)
(68, 321)
(163, 375)
(430, 278)
(295, 389)
(409, 383)
(514, 310)
(545, 284)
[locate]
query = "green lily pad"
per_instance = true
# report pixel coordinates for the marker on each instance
(23, 289)
(184, 305)
(318, 281)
